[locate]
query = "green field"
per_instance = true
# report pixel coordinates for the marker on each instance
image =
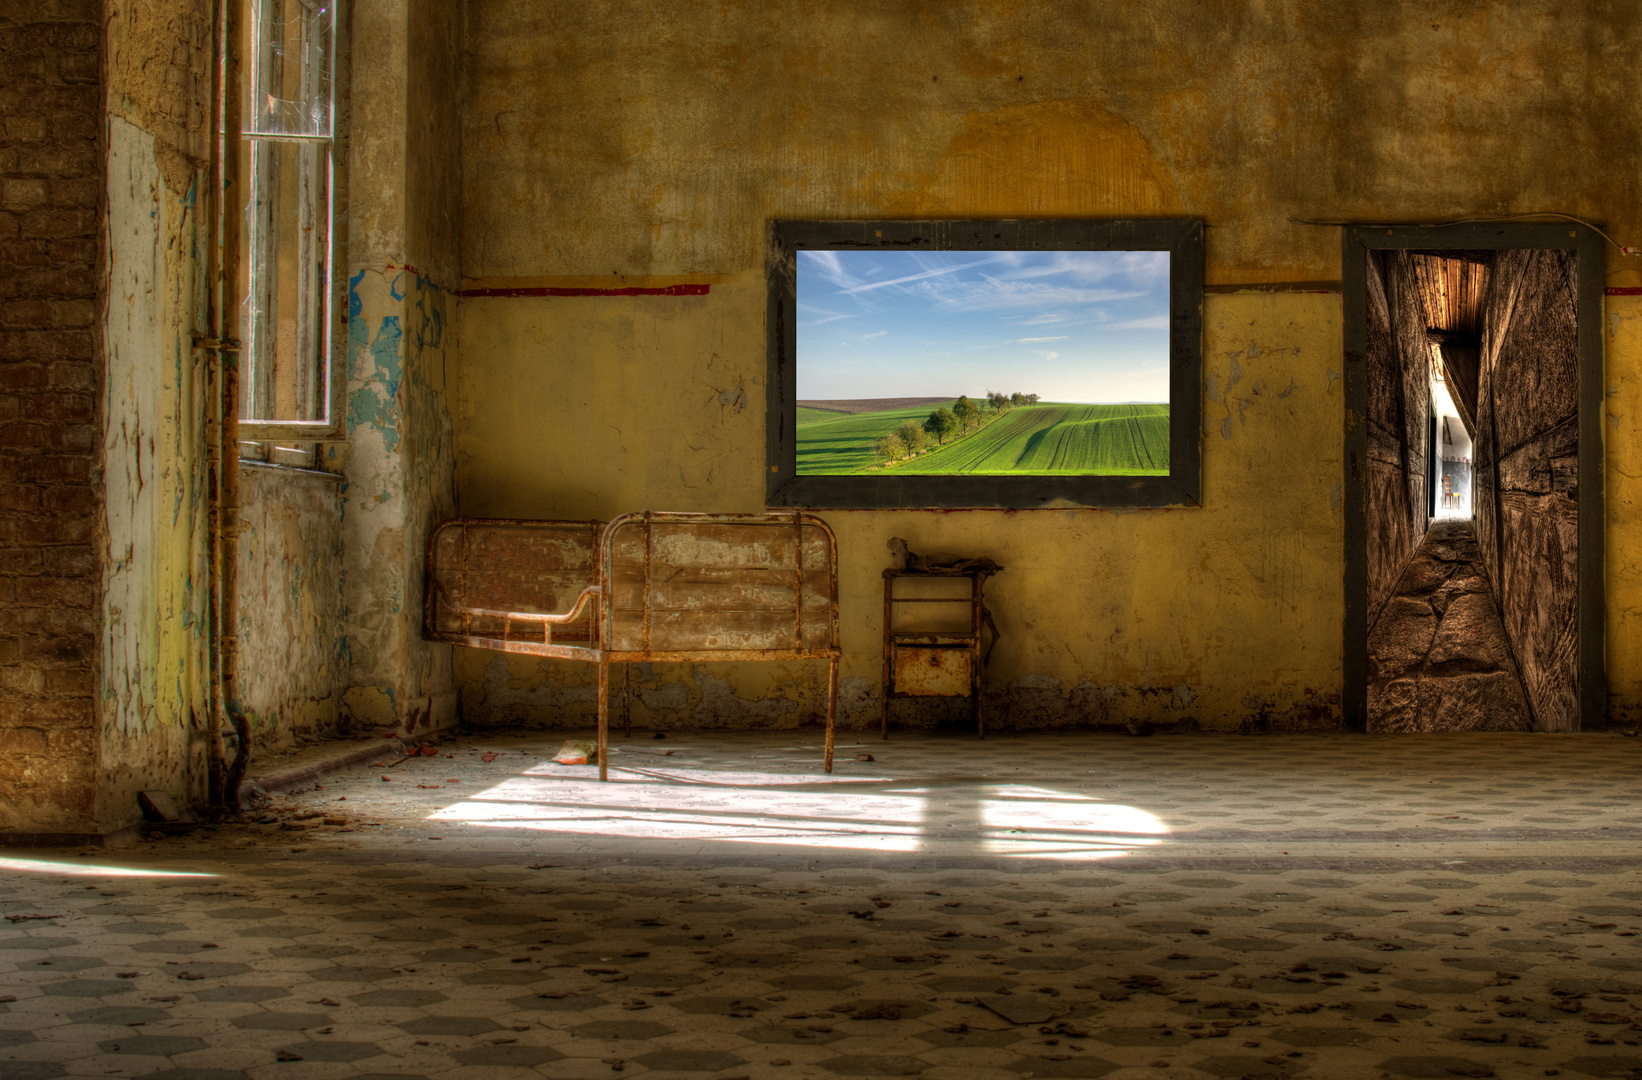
(1088, 440)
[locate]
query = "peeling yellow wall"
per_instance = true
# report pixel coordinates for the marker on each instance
(152, 664)
(1622, 338)
(650, 144)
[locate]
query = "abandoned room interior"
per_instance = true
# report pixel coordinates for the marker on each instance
(484, 591)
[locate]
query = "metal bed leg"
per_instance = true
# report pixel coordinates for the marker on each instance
(832, 708)
(604, 721)
(627, 701)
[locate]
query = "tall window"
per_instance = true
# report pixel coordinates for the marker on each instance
(288, 66)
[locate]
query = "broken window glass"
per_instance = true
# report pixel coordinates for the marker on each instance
(288, 68)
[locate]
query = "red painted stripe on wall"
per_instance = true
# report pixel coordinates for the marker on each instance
(1623, 290)
(632, 290)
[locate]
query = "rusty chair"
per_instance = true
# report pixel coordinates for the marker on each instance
(648, 586)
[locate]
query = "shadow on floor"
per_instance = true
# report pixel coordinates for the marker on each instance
(1437, 657)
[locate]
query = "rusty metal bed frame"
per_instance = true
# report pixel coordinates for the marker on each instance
(647, 586)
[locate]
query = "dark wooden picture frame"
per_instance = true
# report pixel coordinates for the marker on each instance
(1588, 248)
(1181, 237)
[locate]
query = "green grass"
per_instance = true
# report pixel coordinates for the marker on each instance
(836, 443)
(816, 416)
(1087, 440)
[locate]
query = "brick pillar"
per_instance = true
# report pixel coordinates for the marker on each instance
(51, 183)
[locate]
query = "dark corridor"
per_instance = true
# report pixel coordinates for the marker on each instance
(1474, 623)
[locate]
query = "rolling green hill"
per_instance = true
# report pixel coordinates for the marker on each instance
(834, 443)
(1089, 440)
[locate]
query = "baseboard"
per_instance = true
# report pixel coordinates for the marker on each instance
(117, 838)
(305, 774)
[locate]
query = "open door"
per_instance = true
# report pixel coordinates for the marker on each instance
(1493, 620)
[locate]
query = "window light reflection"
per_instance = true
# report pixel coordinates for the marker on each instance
(45, 866)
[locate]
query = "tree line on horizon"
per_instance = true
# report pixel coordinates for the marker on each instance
(912, 438)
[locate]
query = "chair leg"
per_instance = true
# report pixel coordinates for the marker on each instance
(832, 709)
(604, 721)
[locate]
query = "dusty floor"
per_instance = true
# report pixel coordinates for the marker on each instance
(1054, 906)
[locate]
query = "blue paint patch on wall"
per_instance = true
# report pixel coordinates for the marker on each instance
(376, 404)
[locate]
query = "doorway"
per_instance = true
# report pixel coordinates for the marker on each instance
(1473, 465)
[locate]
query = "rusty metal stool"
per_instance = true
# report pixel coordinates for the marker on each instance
(936, 662)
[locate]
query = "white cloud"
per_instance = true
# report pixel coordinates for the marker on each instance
(875, 333)
(828, 319)
(1034, 340)
(1149, 322)
(828, 265)
(939, 271)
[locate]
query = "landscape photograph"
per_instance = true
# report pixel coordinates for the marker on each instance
(983, 363)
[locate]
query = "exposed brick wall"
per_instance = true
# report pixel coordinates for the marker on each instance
(51, 183)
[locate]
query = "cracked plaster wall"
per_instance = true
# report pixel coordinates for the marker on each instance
(399, 462)
(621, 144)
(290, 603)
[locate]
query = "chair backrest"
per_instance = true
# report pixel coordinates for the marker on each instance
(717, 583)
(500, 564)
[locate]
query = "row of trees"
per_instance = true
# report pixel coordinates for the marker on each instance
(1004, 402)
(964, 416)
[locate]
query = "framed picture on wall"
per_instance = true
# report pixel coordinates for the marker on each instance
(1010, 364)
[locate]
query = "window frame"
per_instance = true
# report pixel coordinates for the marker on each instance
(1181, 237)
(334, 319)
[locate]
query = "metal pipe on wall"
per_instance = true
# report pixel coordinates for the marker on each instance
(232, 193)
(222, 438)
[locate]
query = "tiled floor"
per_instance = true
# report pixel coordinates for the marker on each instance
(1056, 906)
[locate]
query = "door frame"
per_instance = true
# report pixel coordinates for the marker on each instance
(1588, 247)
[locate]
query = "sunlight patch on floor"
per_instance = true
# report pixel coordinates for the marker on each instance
(46, 866)
(686, 804)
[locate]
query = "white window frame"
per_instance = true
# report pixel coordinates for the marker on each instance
(332, 294)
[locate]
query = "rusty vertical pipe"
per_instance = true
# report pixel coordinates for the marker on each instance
(231, 193)
(207, 340)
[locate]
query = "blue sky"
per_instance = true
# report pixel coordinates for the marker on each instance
(1066, 325)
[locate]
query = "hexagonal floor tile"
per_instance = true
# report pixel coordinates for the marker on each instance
(1238, 1066)
(508, 1054)
(88, 988)
(776, 1035)
(281, 1021)
(970, 1037)
(689, 1060)
(621, 1029)
(406, 999)
(568, 1003)
(449, 1025)
(874, 1065)
(119, 1014)
(333, 1051)
(34, 1070)
(1432, 1066)
(153, 1045)
(250, 994)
